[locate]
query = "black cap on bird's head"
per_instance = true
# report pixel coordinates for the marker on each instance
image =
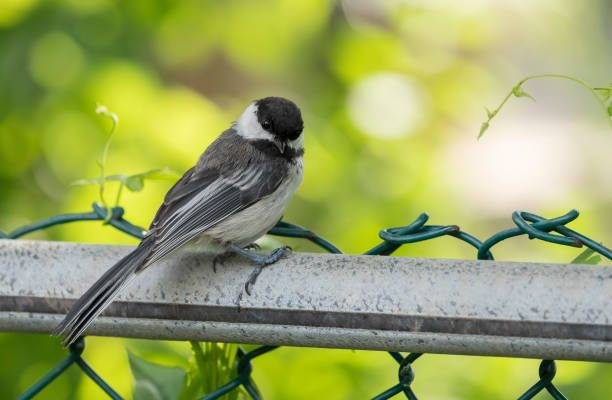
(281, 117)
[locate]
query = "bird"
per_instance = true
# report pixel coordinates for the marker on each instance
(237, 191)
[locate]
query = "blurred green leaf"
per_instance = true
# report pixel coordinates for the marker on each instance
(163, 174)
(519, 92)
(212, 366)
(610, 110)
(97, 181)
(587, 257)
(490, 113)
(483, 129)
(604, 93)
(134, 183)
(154, 381)
(194, 387)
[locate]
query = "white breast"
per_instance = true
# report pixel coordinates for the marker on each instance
(250, 224)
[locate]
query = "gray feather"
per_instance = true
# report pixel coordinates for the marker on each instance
(93, 302)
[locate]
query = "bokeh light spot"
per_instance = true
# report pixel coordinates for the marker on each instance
(387, 105)
(55, 60)
(186, 20)
(516, 168)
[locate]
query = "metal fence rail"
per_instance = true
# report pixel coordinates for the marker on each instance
(323, 300)
(560, 311)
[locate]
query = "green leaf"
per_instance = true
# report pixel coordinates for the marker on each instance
(134, 183)
(97, 181)
(483, 128)
(87, 181)
(154, 381)
(490, 113)
(193, 388)
(587, 257)
(162, 174)
(519, 92)
(604, 93)
(596, 259)
(212, 366)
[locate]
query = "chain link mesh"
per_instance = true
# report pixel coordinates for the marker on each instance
(532, 225)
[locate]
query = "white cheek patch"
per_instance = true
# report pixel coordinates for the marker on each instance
(298, 143)
(249, 127)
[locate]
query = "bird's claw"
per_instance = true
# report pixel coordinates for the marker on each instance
(274, 256)
(252, 278)
(277, 254)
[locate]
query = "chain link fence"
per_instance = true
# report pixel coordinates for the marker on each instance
(534, 226)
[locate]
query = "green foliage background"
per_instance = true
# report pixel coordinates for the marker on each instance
(177, 73)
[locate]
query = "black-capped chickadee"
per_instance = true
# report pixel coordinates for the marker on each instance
(236, 192)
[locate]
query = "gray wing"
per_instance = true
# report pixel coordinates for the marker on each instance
(201, 199)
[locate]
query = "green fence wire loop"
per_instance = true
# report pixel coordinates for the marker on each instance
(76, 349)
(295, 231)
(539, 229)
(590, 243)
(547, 372)
(518, 218)
(526, 224)
(99, 213)
(413, 232)
(116, 220)
(405, 375)
(417, 231)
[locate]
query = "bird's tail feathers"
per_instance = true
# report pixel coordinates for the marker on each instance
(102, 293)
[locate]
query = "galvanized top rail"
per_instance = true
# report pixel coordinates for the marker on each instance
(560, 311)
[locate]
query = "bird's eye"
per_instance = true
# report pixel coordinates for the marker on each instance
(266, 124)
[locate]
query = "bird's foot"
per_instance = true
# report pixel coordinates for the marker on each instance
(273, 257)
(261, 263)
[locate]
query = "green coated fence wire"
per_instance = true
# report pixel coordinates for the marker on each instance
(532, 225)
(547, 372)
(76, 349)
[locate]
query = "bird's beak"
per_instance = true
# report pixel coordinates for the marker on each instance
(280, 144)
